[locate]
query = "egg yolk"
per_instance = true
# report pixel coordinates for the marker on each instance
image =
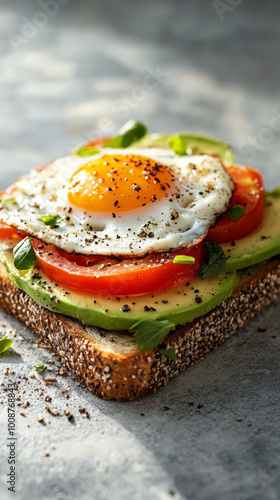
(119, 183)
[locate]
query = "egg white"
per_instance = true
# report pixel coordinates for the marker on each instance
(204, 187)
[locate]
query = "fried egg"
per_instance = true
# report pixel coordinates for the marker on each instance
(121, 201)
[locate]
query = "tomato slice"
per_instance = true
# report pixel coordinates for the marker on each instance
(249, 195)
(10, 232)
(98, 142)
(115, 277)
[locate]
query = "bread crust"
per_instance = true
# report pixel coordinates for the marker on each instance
(110, 364)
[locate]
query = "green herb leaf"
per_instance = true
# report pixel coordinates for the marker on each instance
(40, 368)
(5, 344)
(24, 256)
(236, 212)
(183, 259)
(132, 131)
(178, 144)
(150, 333)
(169, 353)
(217, 260)
(51, 220)
(87, 151)
(100, 266)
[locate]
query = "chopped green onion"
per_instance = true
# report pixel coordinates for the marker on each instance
(51, 220)
(87, 151)
(100, 266)
(183, 259)
(178, 144)
(12, 199)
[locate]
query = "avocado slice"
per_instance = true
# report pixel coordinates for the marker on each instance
(196, 144)
(260, 245)
(179, 305)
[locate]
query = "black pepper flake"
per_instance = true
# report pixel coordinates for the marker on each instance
(198, 299)
(148, 309)
(115, 203)
(142, 234)
(37, 276)
(125, 308)
(233, 243)
(174, 214)
(70, 418)
(151, 234)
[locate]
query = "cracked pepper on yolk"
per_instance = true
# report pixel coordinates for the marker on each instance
(118, 183)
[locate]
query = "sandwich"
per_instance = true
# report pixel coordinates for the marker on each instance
(135, 255)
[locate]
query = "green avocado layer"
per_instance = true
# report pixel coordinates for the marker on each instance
(195, 144)
(179, 305)
(260, 245)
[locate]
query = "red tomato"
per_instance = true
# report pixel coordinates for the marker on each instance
(108, 276)
(10, 232)
(97, 142)
(249, 195)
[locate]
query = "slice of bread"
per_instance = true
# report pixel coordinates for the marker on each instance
(111, 365)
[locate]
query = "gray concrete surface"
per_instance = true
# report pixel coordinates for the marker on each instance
(79, 71)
